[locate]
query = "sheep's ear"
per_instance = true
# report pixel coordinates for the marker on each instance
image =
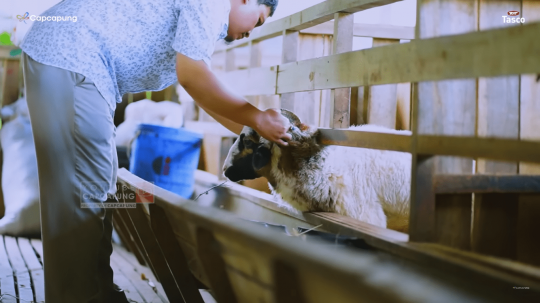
(261, 157)
(293, 119)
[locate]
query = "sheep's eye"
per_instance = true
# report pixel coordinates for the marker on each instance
(248, 143)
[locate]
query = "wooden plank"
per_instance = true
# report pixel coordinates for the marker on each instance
(464, 184)
(153, 251)
(422, 223)
(382, 31)
(382, 100)
(289, 53)
(495, 216)
(449, 108)
(38, 247)
(365, 139)
(214, 266)
(287, 284)
(503, 149)
(312, 16)
(7, 281)
(134, 246)
(35, 268)
(10, 86)
(403, 115)
(500, 149)
(450, 57)
(340, 98)
(528, 249)
(24, 283)
(132, 271)
(342, 267)
(496, 274)
(379, 31)
(176, 259)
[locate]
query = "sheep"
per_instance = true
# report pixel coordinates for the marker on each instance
(366, 184)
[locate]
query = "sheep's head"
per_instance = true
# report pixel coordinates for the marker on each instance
(251, 155)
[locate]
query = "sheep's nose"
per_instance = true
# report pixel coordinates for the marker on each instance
(231, 175)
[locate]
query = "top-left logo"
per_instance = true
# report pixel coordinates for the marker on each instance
(24, 17)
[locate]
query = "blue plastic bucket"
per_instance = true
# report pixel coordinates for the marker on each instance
(166, 156)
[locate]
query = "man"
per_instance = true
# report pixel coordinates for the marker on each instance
(75, 72)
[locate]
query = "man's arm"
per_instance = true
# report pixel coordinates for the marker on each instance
(201, 83)
(230, 125)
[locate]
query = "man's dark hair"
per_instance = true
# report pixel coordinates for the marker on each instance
(272, 4)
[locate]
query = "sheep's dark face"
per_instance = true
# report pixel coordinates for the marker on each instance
(251, 155)
(248, 155)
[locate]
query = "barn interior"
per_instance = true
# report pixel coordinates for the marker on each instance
(456, 84)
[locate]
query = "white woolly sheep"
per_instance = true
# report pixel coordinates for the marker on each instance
(366, 184)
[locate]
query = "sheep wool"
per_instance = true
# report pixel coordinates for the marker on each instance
(370, 185)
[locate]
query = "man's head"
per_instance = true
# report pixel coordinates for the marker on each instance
(246, 15)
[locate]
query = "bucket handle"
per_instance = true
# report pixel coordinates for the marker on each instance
(128, 148)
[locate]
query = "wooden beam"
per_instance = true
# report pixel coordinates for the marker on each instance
(465, 184)
(495, 220)
(529, 208)
(451, 57)
(382, 31)
(289, 53)
(382, 99)
(340, 98)
(448, 107)
(379, 31)
(312, 16)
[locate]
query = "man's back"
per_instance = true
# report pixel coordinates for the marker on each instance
(127, 45)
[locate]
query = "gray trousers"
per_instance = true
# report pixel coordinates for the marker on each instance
(74, 137)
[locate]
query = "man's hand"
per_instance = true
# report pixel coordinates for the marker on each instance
(201, 83)
(272, 126)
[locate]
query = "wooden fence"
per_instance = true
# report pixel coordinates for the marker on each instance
(467, 86)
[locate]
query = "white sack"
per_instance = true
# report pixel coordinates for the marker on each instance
(19, 172)
(164, 113)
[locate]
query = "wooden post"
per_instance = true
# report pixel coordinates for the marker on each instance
(255, 60)
(343, 41)
(528, 246)
(382, 101)
(448, 108)
(10, 85)
(495, 216)
(289, 54)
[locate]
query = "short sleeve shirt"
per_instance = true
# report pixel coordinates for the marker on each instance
(126, 46)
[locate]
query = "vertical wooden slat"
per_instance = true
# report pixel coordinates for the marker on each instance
(403, 106)
(289, 54)
(153, 251)
(382, 101)
(7, 283)
(10, 85)
(208, 250)
(174, 255)
(448, 108)
(255, 60)
(308, 104)
(495, 216)
(24, 284)
(343, 42)
(528, 246)
(287, 284)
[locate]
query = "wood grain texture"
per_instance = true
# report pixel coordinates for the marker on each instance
(495, 216)
(449, 108)
(291, 40)
(450, 57)
(382, 101)
(311, 16)
(466, 184)
(528, 248)
(7, 283)
(341, 98)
